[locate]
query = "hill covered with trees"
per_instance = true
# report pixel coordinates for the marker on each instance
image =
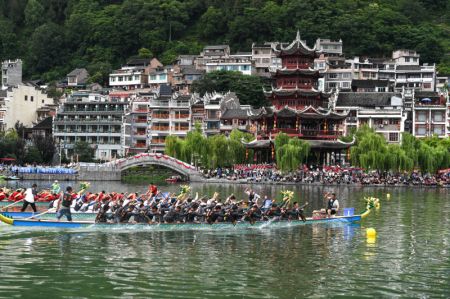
(55, 36)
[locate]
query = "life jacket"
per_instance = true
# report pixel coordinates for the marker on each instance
(3, 195)
(67, 200)
(330, 204)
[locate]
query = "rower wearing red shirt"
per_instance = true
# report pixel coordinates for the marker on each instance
(153, 189)
(3, 195)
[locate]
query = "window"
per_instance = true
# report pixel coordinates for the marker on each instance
(332, 76)
(406, 59)
(152, 77)
(345, 84)
(346, 75)
(426, 85)
(438, 116)
(437, 130)
(31, 98)
(42, 101)
(422, 116)
(162, 77)
(393, 121)
(245, 67)
(26, 98)
(421, 131)
(393, 137)
(120, 78)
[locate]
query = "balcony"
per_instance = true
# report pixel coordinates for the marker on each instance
(285, 130)
(139, 145)
(160, 116)
(141, 110)
(182, 116)
(159, 128)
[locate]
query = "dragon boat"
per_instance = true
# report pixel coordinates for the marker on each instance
(179, 226)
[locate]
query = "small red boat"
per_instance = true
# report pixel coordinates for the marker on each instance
(174, 179)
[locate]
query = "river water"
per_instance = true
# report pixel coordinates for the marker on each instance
(409, 258)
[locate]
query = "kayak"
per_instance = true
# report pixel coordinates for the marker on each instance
(178, 226)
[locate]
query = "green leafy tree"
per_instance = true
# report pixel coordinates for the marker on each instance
(83, 151)
(249, 89)
(34, 12)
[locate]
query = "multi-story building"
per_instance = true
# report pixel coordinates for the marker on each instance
(215, 52)
(430, 114)
(136, 138)
(128, 78)
(134, 75)
(169, 115)
(382, 111)
(24, 103)
(264, 58)
(238, 62)
(299, 109)
(92, 118)
(410, 74)
(329, 47)
(11, 72)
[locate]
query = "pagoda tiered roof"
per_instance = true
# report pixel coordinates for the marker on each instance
(315, 144)
(297, 46)
(296, 91)
(297, 71)
(308, 112)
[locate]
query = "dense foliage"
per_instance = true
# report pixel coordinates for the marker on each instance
(55, 36)
(249, 89)
(211, 152)
(291, 153)
(13, 145)
(372, 152)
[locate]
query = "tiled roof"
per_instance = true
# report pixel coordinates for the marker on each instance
(370, 83)
(365, 99)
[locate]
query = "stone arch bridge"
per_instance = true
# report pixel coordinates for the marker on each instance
(112, 170)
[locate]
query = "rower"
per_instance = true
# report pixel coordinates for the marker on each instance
(30, 195)
(332, 205)
(55, 187)
(63, 207)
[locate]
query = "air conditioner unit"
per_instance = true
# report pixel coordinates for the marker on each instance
(385, 122)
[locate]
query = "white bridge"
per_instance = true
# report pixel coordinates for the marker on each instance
(112, 170)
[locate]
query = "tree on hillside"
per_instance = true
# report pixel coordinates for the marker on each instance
(248, 88)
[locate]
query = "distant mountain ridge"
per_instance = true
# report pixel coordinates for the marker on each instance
(55, 36)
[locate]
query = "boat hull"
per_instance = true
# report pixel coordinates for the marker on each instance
(178, 226)
(49, 216)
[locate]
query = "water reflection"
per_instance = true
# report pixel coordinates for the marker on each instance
(409, 257)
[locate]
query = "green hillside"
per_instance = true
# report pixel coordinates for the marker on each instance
(55, 36)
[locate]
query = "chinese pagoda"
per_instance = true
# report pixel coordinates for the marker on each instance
(299, 109)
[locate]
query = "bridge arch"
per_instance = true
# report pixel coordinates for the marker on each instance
(174, 164)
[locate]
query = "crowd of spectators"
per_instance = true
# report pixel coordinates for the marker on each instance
(333, 175)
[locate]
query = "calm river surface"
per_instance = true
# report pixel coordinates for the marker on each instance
(410, 257)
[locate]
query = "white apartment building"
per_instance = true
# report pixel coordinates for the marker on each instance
(430, 114)
(22, 103)
(381, 111)
(128, 78)
(238, 62)
(92, 118)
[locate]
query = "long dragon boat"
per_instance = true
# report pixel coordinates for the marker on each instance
(179, 226)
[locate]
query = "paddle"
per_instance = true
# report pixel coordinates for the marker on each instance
(8, 206)
(39, 215)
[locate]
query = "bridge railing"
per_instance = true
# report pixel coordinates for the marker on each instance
(123, 163)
